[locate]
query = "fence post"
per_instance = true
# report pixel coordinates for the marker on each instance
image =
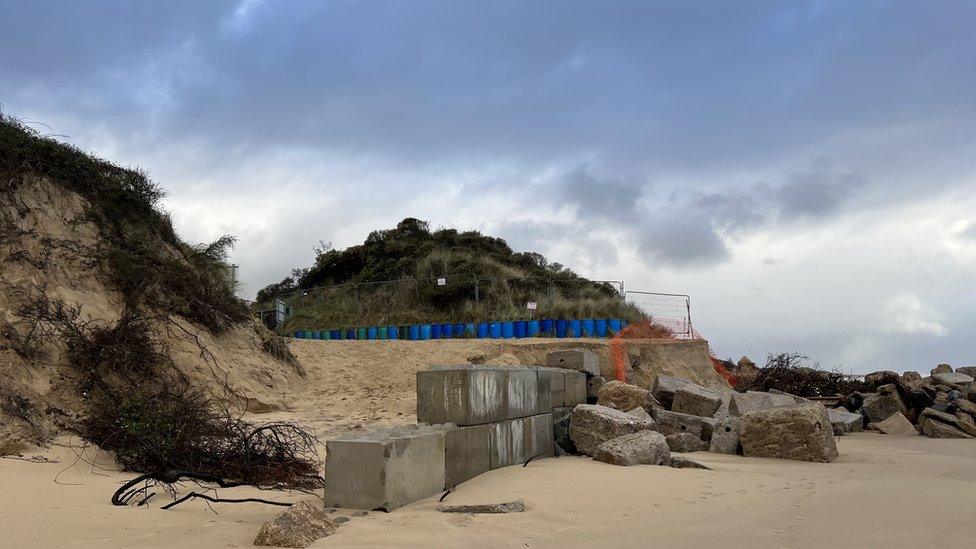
(477, 296)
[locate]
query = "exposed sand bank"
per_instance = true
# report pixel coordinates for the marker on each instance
(897, 492)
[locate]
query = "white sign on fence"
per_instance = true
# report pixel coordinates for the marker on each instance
(442, 282)
(532, 305)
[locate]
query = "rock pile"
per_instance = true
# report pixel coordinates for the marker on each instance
(942, 405)
(677, 415)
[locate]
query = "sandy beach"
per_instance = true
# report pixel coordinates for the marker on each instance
(896, 492)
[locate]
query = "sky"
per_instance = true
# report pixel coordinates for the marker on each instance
(805, 171)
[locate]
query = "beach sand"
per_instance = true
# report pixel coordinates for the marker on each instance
(897, 492)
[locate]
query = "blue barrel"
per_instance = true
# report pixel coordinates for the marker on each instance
(382, 332)
(532, 328)
(575, 328)
(546, 327)
(615, 326)
(601, 327)
(447, 331)
(483, 330)
(495, 328)
(425, 331)
(414, 332)
(458, 329)
(371, 332)
(561, 327)
(312, 335)
(392, 332)
(589, 327)
(299, 334)
(326, 334)
(521, 328)
(335, 334)
(508, 329)
(435, 331)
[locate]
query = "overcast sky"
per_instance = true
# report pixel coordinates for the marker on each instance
(806, 171)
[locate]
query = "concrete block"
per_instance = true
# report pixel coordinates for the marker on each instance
(725, 437)
(665, 387)
(463, 395)
(560, 429)
(696, 400)
(579, 360)
(750, 401)
(384, 469)
(467, 453)
(521, 392)
(575, 388)
(543, 404)
(673, 422)
(557, 386)
(516, 440)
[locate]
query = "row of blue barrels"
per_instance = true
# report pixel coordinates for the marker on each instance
(517, 329)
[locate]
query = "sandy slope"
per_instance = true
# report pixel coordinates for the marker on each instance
(897, 492)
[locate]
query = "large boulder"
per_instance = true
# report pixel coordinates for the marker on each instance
(880, 406)
(640, 448)
(953, 378)
(742, 403)
(298, 526)
(592, 425)
(936, 424)
(911, 376)
(843, 421)
(966, 406)
(799, 432)
(686, 442)
(875, 379)
(624, 396)
(942, 369)
(968, 370)
(696, 400)
(725, 437)
(897, 425)
(664, 388)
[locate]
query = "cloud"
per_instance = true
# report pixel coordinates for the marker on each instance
(907, 314)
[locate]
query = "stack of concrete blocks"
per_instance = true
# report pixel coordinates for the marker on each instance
(498, 415)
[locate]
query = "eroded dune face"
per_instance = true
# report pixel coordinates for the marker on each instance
(49, 248)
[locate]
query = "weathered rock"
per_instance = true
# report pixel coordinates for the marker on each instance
(682, 462)
(936, 424)
(953, 378)
(968, 370)
(880, 406)
(874, 379)
(725, 437)
(966, 406)
(896, 425)
(593, 386)
(799, 432)
(591, 425)
(668, 423)
(640, 448)
(298, 526)
(685, 443)
(796, 399)
(623, 396)
(641, 413)
(911, 376)
(843, 421)
(664, 388)
(696, 400)
(747, 370)
(742, 403)
(965, 423)
(942, 369)
(516, 506)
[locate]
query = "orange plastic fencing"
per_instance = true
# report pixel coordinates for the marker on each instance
(647, 329)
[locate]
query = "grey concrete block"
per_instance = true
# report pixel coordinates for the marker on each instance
(557, 386)
(668, 423)
(725, 437)
(516, 440)
(579, 360)
(543, 403)
(665, 387)
(467, 453)
(696, 400)
(521, 392)
(384, 469)
(750, 401)
(575, 388)
(462, 395)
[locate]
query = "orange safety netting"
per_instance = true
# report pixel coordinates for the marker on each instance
(647, 329)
